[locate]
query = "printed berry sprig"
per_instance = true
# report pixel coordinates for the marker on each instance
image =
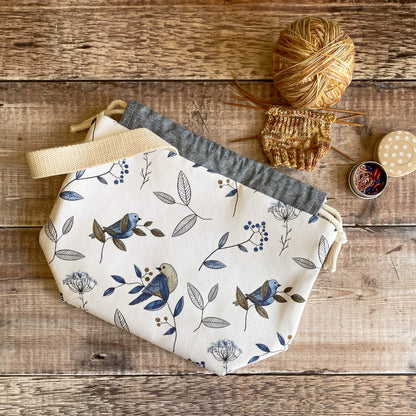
(79, 176)
(257, 238)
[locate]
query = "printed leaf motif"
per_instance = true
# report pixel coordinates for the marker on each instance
(261, 311)
(98, 231)
(170, 331)
(184, 188)
(156, 232)
(279, 299)
(102, 180)
(120, 321)
(109, 231)
(139, 232)
(214, 264)
(195, 296)
(305, 263)
(263, 347)
(185, 224)
(144, 296)
(312, 219)
(79, 173)
(109, 291)
(223, 240)
(281, 339)
(214, 322)
(119, 244)
(69, 255)
(124, 222)
(253, 359)
(136, 289)
(155, 305)
(241, 299)
(297, 298)
(178, 307)
(118, 279)
(166, 198)
(323, 249)
(50, 231)
(138, 271)
(232, 192)
(171, 154)
(242, 248)
(70, 196)
(66, 228)
(288, 289)
(265, 289)
(252, 298)
(148, 223)
(213, 293)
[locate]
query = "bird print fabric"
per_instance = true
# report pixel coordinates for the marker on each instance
(165, 255)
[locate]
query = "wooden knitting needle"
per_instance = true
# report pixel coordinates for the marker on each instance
(262, 109)
(256, 137)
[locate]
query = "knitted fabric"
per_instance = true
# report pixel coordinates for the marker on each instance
(296, 138)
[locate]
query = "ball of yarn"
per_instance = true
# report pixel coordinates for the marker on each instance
(313, 61)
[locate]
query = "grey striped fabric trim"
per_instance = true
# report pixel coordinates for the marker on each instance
(213, 156)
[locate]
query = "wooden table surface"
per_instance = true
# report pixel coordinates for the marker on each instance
(63, 61)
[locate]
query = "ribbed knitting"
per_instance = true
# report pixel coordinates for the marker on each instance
(296, 138)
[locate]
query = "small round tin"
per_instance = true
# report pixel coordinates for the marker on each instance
(376, 184)
(396, 152)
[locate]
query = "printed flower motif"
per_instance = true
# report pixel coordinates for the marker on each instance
(81, 283)
(257, 238)
(285, 213)
(225, 350)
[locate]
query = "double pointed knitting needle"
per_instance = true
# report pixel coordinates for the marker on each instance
(256, 137)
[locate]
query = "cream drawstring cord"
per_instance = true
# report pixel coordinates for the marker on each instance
(334, 217)
(109, 111)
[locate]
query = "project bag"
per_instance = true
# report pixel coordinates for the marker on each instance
(182, 242)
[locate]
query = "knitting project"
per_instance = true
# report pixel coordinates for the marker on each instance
(296, 138)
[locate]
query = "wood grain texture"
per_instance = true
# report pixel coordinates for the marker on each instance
(35, 116)
(230, 395)
(368, 305)
(196, 40)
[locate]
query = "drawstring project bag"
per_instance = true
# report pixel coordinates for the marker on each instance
(186, 244)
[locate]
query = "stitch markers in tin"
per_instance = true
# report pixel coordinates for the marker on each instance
(367, 180)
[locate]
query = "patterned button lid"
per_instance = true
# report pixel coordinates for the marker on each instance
(396, 152)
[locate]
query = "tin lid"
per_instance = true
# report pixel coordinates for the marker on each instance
(396, 152)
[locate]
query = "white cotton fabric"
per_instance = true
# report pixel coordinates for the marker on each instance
(221, 343)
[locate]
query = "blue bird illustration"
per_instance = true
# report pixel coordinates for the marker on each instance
(258, 299)
(161, 285)
(115, 230)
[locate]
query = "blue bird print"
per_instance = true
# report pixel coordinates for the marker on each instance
(122, 228)
(262, 298)
(161, 285)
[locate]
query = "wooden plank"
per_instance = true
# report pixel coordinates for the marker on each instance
(35, 115)
(197, 40)
(199, 395)
(368, 305)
